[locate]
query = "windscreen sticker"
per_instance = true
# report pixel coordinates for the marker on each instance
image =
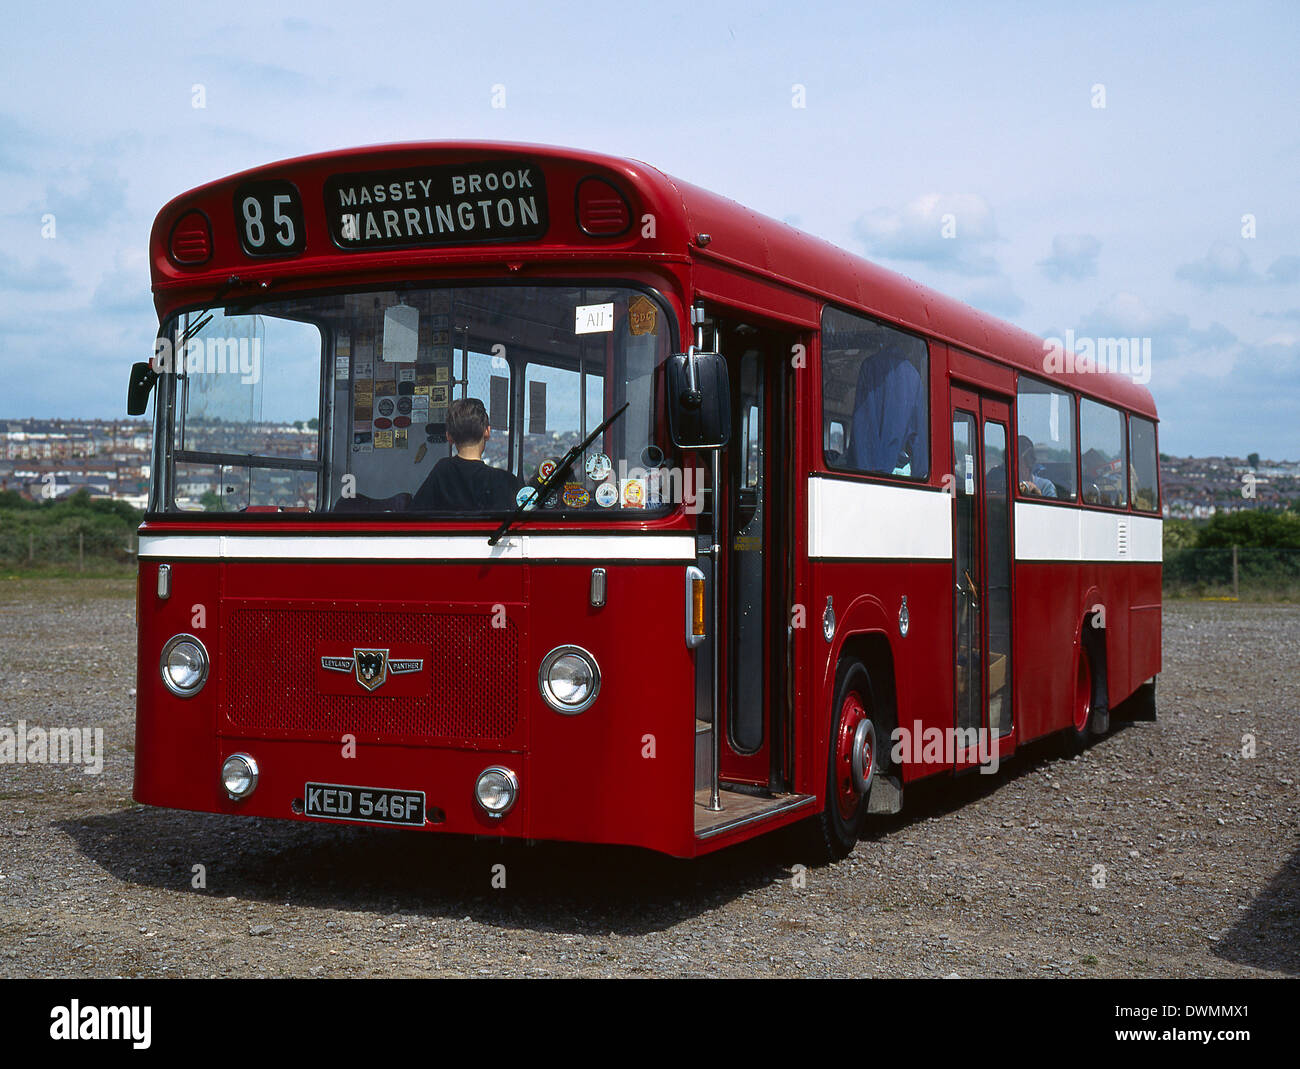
(593, 318)
(641, 316)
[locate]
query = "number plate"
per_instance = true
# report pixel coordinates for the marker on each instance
(369, 805)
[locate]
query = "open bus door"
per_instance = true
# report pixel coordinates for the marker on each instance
(982, 551)
(754, 530)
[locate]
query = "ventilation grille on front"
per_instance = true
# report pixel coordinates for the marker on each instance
(271, 668)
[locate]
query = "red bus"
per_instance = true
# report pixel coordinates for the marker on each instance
(522, 492)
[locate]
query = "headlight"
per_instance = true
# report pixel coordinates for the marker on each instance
(496, 790)
(184, 665)
(569, 679)
(239, 775)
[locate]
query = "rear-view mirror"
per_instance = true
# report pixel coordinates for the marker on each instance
(143, 377)
(699, 401)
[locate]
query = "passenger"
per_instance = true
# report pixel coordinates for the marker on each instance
(464, 482)
(1032, 484)
(889, 433)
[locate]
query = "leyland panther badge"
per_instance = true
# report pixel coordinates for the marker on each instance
(371, 666)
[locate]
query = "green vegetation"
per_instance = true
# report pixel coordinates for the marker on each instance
(63, 537)
(1199, 556)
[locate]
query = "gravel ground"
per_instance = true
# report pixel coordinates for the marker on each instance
(986, 876)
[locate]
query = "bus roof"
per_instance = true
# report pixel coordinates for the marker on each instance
(738, 238)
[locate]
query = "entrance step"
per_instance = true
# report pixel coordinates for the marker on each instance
(742, 808)
(886, 795)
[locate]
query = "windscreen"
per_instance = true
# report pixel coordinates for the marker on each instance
(445, 402)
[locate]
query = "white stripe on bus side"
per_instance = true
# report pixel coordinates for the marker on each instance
(420, 547)
(849, 519)
(1059, 532)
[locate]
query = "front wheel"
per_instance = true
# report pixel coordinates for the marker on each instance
(852, 764)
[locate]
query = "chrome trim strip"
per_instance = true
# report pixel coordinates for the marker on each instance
(754, 818)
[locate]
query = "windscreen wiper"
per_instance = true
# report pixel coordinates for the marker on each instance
(556, 477)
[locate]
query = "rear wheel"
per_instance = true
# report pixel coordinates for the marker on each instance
(1079, 729)
(852, 764)
(1091, 711)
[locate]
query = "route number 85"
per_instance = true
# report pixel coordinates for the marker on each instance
(270, 219)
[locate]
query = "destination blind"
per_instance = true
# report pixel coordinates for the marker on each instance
(457, 204)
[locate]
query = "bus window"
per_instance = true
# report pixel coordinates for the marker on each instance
(1143, 464)
(235, 405)
(1047, 460)
(875, 384)
(1101, 436)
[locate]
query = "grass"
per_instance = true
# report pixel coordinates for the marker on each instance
(1283, 592)
(74, 585)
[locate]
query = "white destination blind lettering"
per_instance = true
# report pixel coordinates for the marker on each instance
(455, 204)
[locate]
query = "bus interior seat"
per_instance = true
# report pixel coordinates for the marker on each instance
(886, 424)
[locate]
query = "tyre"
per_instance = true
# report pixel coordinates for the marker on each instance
(856, 754)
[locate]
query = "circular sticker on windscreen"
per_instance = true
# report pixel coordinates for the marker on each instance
(404, 405)
(383, 424)
(598, 467)
(527, 497)
(607, 495)
(387, 406)
(547, 468)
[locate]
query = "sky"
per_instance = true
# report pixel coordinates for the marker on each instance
(1110, 169)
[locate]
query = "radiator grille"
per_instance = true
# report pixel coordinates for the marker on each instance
(270, 675)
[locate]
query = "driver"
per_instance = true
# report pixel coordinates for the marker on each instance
(464, 482)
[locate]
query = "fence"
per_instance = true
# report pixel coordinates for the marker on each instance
(1233, 571)
(89, 547)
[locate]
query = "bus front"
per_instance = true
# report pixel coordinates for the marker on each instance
(333, 624)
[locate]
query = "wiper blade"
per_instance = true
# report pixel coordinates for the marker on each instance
(557, 476)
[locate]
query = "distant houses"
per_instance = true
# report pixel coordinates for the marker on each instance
(47, 459)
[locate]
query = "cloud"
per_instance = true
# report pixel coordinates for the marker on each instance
(1074, 256)
(1223, 265)
(17, 143)
(83, 202)
(1178, 349)
(997, 297)
(45, 276)
(1238, 413)
(125, 288)
(250, 75)
(1285, 269)
(948, 231)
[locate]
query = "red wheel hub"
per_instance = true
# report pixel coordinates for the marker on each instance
(852, 714)
(1083, 693)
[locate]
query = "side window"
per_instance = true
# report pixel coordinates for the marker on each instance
(1046, 459)
(559, 411)
(875, 397)
(487, 378)
(1101, 437)
(1143, 462)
